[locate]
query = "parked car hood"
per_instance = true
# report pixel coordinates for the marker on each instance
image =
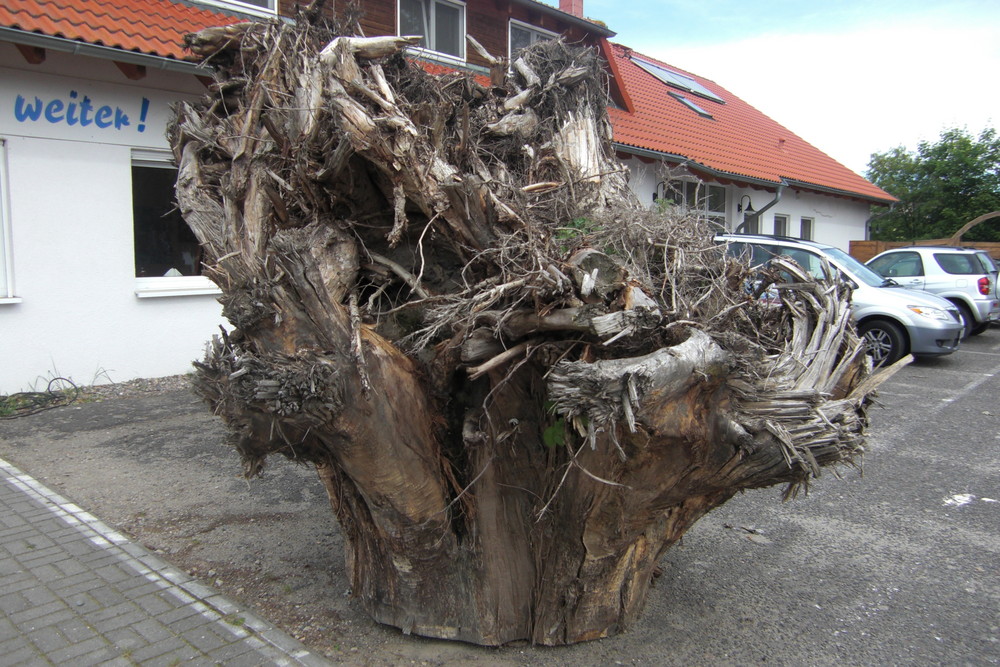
(915, 297)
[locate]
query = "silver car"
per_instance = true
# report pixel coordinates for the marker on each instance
(957, 274)
(893, 320)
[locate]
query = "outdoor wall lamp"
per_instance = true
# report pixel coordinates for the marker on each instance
(749, 207)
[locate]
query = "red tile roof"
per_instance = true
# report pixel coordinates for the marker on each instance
(152, 27)
(437, 69)
(737, 140)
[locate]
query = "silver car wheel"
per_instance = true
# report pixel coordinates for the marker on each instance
(879, 345)
(884, 341)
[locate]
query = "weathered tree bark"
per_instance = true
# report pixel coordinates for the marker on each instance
(517, 386)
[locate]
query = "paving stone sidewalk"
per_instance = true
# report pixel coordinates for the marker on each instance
(74, 591)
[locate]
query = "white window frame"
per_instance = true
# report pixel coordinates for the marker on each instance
(243, 7)
(783, 220)
(6, 249)
(804, 224)
(536, 33)
(165, 286)
(702, 194)
(430, 50)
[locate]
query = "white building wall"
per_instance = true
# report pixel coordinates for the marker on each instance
(76, 312)
(836, 220)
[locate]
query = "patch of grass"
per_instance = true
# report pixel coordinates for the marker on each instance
(15, 403)
(233, 619)
(59, 391)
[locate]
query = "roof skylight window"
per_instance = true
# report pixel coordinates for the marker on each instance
(677, 80)
(690, 105)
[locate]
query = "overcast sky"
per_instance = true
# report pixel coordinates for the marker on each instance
(851, 77)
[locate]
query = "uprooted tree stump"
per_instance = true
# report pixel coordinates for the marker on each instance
(518, 387)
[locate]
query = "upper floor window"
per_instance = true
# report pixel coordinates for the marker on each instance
(523, 35)
(258, 7)
(441, 23)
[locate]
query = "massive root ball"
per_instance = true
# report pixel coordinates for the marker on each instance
(518, 386)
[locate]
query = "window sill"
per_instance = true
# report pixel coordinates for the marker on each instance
(240, 8)
(11, 299)
(437, 57)
(153, 288)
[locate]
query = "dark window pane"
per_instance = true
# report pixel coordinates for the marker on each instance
(806, 229)
(675, 192)
(519, 38)
(716, 199)
(691, 194)
(448, 33)
(413, 19)
(164, 244)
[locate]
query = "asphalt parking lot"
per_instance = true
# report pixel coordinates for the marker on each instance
(900, 565)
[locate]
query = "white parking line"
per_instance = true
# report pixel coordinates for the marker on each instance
(988, 354)
(965, 390)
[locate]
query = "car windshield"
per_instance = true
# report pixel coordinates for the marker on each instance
(856, 268)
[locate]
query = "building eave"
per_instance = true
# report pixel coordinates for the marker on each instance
(805, 185)
(75, 47)
(748, 180)
(577, 21)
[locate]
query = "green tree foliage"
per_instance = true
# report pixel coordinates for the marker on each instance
(941, 186)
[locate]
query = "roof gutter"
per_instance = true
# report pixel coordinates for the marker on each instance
(63, 45)
(843, 193)
(686, 161)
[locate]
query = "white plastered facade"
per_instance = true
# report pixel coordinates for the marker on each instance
(835, 220)
(74, 307)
